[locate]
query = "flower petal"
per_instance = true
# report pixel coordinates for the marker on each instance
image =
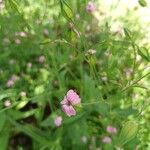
(58, 121)
(68, 110)
(64, 101)
(73, 97)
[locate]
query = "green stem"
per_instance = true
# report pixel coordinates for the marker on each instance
(135, 82)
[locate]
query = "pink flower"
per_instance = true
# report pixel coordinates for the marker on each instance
(73, 97)
(29, 64)
(64, 101)
(106, 139)
(90, 7)
(46, 32)
(23, 94)
(10, 83)
(68, 110)
(41, 59)
(17, 41)
(7, 103)
(70, 99)
(58, 121)
(22, 34)
(14, 77)
(111, 129)
(84, 139)
(77, 16)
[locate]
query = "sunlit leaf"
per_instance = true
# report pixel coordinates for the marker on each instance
(143, 3)
(128, 132)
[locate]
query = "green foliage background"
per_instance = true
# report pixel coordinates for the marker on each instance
(113, 83)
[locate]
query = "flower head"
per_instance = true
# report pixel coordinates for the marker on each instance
(84, 139)
(41, 59)
(23, 94)
(29, 65)
(111, 129)
(14, 77)
(73, 97)
(68, 110)
(10, 83)
(17, 41)
(58, 121)
(7, 103)
(90, 7)
(70, 99)
(106, 139)
(90, 52)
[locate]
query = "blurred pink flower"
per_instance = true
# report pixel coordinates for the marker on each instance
(14, 77)
(84, 139)
(58, 121)
(77, 16)
(21, 34)
(17, 41)
(111, 129)
(106, 139)
(12, 80)
(29, 64)
(12, 61)
(10, 83)
(90, 7)
(2, 5)
(22, 94)
(41, 59)
(68, 110)
(45, 32)
(7, 103)
(90, 52)
(70, 99)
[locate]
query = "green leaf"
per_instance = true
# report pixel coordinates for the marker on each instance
(46, 41)
(44, 74)
(125, 112)
(66, 10)
(143, 52)
(74, 119)
(128, 132)
(7, 93)
(143, 3)
(102, 108)
(4, 137)
(15, 6)
(2, 121)
(38, 135)
(49, 121)
(127, 33)
(99, 107)
(16, 114)
(39, 89)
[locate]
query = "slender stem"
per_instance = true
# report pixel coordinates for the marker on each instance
(135, 82)
(91, 103)
(96, 102)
